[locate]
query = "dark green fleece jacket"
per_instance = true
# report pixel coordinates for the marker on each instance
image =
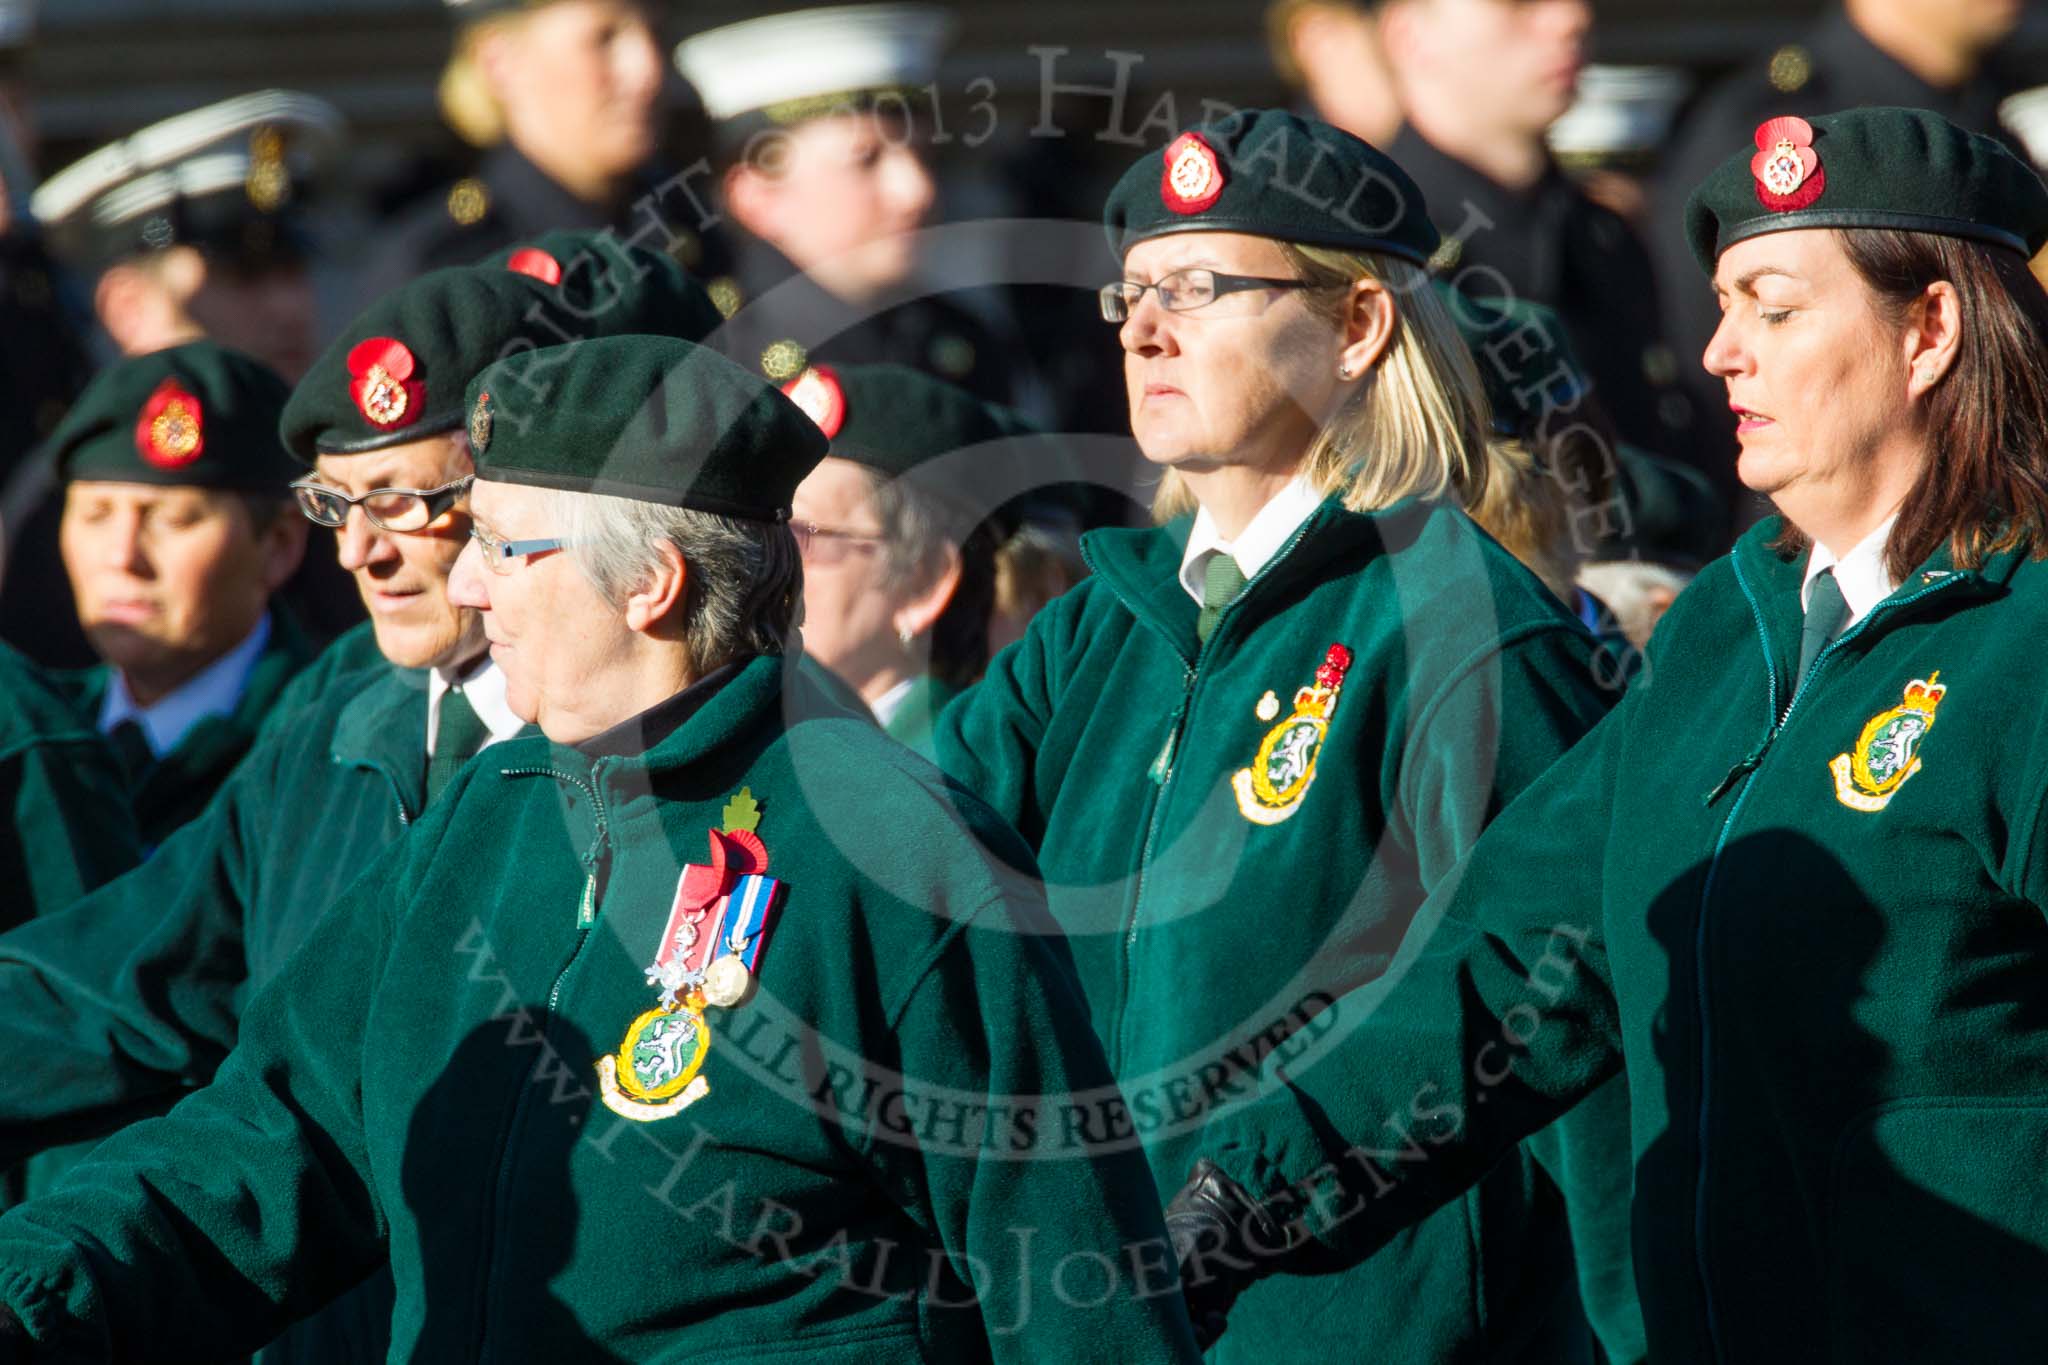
(1231, 846)
(1806, 916)
(875, 1172)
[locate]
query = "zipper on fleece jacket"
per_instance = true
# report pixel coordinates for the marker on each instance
(1747, 767)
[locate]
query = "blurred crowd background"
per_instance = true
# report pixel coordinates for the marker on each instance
(1554, 138)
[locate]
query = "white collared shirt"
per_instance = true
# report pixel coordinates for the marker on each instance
(1264, 537)
(889, 703)
(484, 685)
(213, 691)
(1861, 574)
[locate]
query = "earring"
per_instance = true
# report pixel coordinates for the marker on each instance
(903, 635)
(1345, 371)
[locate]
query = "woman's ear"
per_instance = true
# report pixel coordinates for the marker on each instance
(656, 606)
(919, 612)
(1934, 333)
(1369, 322)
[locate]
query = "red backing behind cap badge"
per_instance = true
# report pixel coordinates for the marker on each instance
(537, 263)
(1787, 168)
(382, 383)
(817, 391)
(170, 433)
(1194, 177)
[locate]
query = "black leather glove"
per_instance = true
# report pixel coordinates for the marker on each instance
(1224, 1241)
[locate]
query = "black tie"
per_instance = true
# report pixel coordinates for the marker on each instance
(1826, 613)
(1222, 581)
(131, 746)
(460, 735)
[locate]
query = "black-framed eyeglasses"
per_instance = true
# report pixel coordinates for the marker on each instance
(1183, 291)
(499, 555)
(389, 509)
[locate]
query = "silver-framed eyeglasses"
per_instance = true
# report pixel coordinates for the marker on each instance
(389, 509)
(1183, 291)
(499, 555)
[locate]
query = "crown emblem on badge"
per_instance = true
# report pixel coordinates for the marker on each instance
(539, 264)
(1194, 177)
(818, 392)
(170, 433)
(1273, 787)
(1887, 752)
(381, 371)
(480, 425)
(1787, 168)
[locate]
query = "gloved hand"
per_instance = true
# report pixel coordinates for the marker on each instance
(1224, 1241)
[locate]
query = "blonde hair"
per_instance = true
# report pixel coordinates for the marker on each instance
(1417, 427)
(464, 94)
(1525, 508)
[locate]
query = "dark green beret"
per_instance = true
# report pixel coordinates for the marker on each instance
(594, 270)
(893, 418)
(1524, 356)
(1869, 168)
(400, 371)
(651, 418)
(193, 416)
(1269, 173)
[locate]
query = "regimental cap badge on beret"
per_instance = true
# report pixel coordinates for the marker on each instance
(380, 371)
(1787, 168)
(1194, 179)
(170, 433)
(480, 425)
(819, 393)
(531, 260)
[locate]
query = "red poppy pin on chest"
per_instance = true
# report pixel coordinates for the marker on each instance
(1786, 166)
(171, 432)
(381, 382)
(1194, 177)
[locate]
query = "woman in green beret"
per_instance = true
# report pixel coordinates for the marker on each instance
(704, 1025)
(1248, 746)
(1802, 899)
(899, 567)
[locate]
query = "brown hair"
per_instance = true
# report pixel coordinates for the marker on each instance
(1985, 486)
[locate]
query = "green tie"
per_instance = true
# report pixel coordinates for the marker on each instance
(1826, 613)
(1222, 581)
(460, 735)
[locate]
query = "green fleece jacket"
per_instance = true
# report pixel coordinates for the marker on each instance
(1231, 850)
(70, 826)
(1807, 918)
(868, 1175)
(177, 786)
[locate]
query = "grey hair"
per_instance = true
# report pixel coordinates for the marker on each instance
(914, 527)
(744, 578)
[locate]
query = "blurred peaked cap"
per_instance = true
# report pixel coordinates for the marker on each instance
(1906, 169)
(1519, 347)
(790, 66)
(197, 177)
(1619, 111)
(1269, 173)
(469, 11)
(191, 416)
(400, 370)
(654, 419)
(2026, 114)
(17, 23)
(593, 270)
